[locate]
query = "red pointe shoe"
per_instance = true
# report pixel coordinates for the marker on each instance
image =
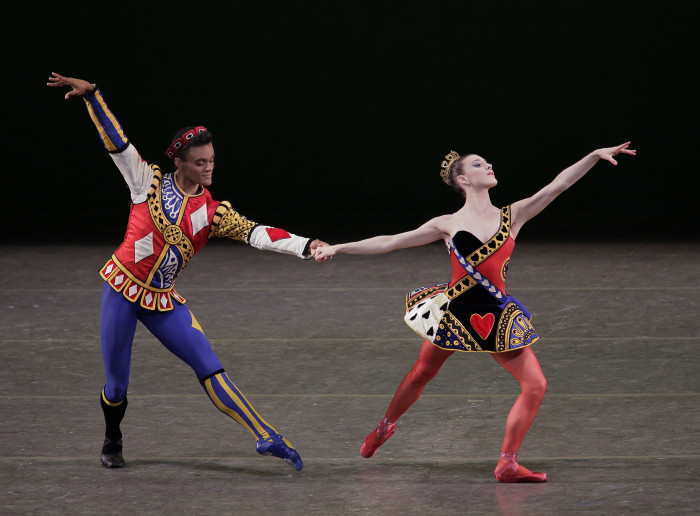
(377, 438)
(508, 470)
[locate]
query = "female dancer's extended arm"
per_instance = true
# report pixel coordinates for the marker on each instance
(524, 210)
(434, 229)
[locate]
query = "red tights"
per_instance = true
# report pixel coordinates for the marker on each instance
(521, 363)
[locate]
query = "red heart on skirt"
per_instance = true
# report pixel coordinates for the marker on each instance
(482, 325)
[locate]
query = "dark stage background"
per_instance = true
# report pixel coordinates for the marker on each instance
(331, 119)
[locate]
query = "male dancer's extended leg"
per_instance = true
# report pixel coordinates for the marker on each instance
(426, 367)
(182, 335)
(524, 366)
(117, 327)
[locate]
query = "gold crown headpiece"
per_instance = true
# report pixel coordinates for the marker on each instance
(445, 167)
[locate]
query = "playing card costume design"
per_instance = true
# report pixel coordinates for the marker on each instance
(166, 228)
(473, 312)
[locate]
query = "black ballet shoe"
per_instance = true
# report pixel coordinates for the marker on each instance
(112, 454)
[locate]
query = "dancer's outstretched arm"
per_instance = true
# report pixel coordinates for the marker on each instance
(137, 173)
(434, 229)
(524, 210)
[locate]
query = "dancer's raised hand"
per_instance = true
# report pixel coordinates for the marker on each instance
(78, 87)
(608, 153)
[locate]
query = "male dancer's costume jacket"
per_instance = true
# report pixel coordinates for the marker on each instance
(166, 226)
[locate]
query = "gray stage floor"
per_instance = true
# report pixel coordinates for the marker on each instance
(319, 350)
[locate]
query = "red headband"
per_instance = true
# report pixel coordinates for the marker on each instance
(183, 140)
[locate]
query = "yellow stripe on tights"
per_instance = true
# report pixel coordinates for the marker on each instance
(223, 408)
(243, 408)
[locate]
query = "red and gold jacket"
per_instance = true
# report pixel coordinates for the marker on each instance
(166, 226)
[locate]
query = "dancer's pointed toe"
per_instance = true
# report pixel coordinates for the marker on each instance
(378, 437)
(277, 446)
(509, 471)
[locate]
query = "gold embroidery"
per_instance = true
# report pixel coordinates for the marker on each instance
(155, 208)
(172, 234)
(134, 279)
(412, 301)
(514, 329)
(504, 269)
(495, 243)
(462, 335)
(145, 293)
(228, 223)
(460, 287)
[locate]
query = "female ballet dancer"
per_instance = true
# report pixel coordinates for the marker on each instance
(473, 312)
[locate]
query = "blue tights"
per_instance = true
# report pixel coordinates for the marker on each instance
(180, 333)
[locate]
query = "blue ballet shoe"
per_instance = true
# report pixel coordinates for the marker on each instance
(278, 446)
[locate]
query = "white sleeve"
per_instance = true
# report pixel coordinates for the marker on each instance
(268, 238)
(137, 173)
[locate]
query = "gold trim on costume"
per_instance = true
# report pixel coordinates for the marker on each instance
(504, 269)
(172, 233)
(135, 279)
(110, 403)
(495, 243)
(149, 300)
(460, 287)
(144, 290)
(461, 338)
(156, 265)
(228, 223)
(512, 319)
(106, 140)
(413, 300)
